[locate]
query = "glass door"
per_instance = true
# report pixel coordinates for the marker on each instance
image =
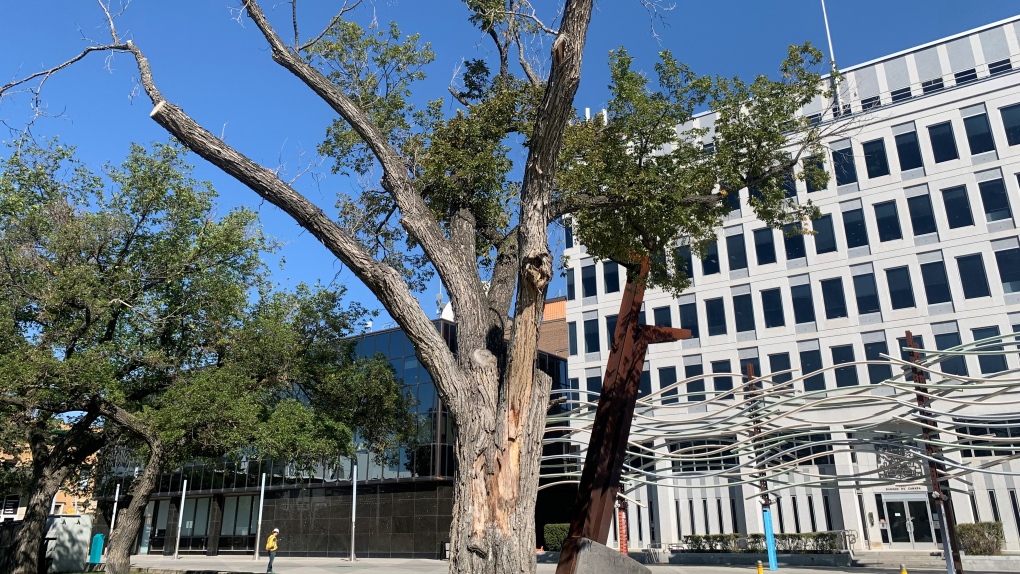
(910, 522)
(920, 521)
(899, 531)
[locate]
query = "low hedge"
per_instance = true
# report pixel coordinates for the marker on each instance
(981, 539)
(555, 534)
(810, 542)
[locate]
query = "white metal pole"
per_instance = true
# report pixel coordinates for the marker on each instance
(832, 60)
(258, 525)
(116, 499)
(53, 505)
(180, 520)
(354, 501)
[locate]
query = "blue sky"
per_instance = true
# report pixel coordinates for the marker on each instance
(220, 72)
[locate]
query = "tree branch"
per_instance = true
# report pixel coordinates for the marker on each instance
(333, 21)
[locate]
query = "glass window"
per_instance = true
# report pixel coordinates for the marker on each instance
(943, 144)
(743, 312)
(569, 272)
(901, 94)
(874, 352)
(932, 85)
(611, 274)
(568, 234)
(710, 264)
(722, 384)
(811, 361)
(662, 317)
(645, 386)
(803, 304)
(958, 364)
(825, 234)
(834, 298)
(610, 330)
(818, 163)
(780, 362)
(989, 363)
(772, 308)
(875, 159)
(901, 294)
(979, 134)
(789, 184)
(591, 336)
(764, 247)
(588, 281)
(972, 274)
(845, 376)
(793, 240)
(572, 337)
(996, 68)
(843, 164)
(689, 318)
(957, 207)
(684, 261)
(866, 291)
(715, 313)
(755, 368)
(1011, 122)
(594, 385)
(888, 221)
(736, 252)
(909, 151)
(1008, 262)
(994, 199)
(695, 388)
(667, 377)
(855, 229)
(922, 218)
(965, 76)
(936, 283)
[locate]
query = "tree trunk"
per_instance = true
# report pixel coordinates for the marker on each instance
(131, 515)
(46, 480)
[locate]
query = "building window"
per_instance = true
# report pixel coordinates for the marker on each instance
(994, 69)
(874, 352)
(888, 221)
(843, 164)
(722, 384)
(901, 294)
(956, 365)
(979, 134)
(571, 290)
(803, 304)
(972, 274)
(815, 162)
(594, 385)
(764, 247)
(825, 234)
(684, 261)
(777, 363)
(943, 144)
(793, 240)
(965, 76)
(689, 318)
(922, 218)
(789, 184)
(936, 283)
(568, 234)
(736, 252)
(662, 317)
(667, 378)
(845, 376)
(855, 229)
(611, 274)
(588, 281)
(1011, 122)
(995, 200)
(811, 361)
(743, 312)
(833, 298)
(872, 102)
(989, 363)
(732, 200)
(645, 386)
(695, 388)
(755, 368)
(875, 159)
(710, 263)
(932, 85)
(901, 94)
(591, 336)
(610, 330)
(957, 207)
(866, 291)
(715, 313)
(572, 338)
(10, 504)
(1008, 262)
(909, 151)
(772, 308)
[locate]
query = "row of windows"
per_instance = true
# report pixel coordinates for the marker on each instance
(999, 431)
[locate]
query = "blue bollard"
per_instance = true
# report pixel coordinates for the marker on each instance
(96, 551)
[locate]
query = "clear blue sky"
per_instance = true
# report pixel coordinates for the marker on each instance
(221, 73)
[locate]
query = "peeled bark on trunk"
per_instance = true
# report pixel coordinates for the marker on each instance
(131, 515)
(45, 485)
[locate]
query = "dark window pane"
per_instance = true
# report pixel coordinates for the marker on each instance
(901, 294)
(957, 365)
(772, 308)
(743, 313)
(695, 388)
(611, 273)
(979, 134)
(957, 207)
(793, 241)
(789, 184)
(715, 313)
(811, 361)
(834, 298)
(817, 162)
(933, 85)
(888, 221)
(843, 164)
(866, 292)
(901, 343)
(943, 144)
(999, 67)
(662, 317)
(972, 274)
(989, 363)
(685, 262)
(593, 384)
(588, 281)
(710, 264)
(780, 362)
(736, 252)
(803, 304)
(922, 218)
(845, 376)
(722, 384)
(855, 228)
(901, 94)
(909, 151)
(872, 102)
(572, 337)
(994, 199)
(764, 247)
(1011, 122)
(936, 283)
(645, 387)
(570, 284)
(965, 76)
(874, 352)
(825, 234)
(667, 377)
(875, 159)
(1008, 261)
(568, 234)
(610, 329)
(755, 366)
(689, 318)
(591, 336)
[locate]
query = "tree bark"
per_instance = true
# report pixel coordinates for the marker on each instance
(46, 480)
(132, 514)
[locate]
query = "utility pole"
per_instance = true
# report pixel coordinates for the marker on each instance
(354, 500)
(939, 490)
(258, 525)
(757, 404)
(180, 520)
(832, 60)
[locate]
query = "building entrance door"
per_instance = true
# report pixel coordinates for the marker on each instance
(911, 521)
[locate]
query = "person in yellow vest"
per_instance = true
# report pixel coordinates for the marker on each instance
(272, 543)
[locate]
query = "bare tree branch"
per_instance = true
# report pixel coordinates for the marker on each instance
(343, 10)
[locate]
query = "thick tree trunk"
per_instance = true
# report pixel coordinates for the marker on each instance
(46, 480)
(132, 514)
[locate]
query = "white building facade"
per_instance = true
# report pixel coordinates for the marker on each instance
(918, 233)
